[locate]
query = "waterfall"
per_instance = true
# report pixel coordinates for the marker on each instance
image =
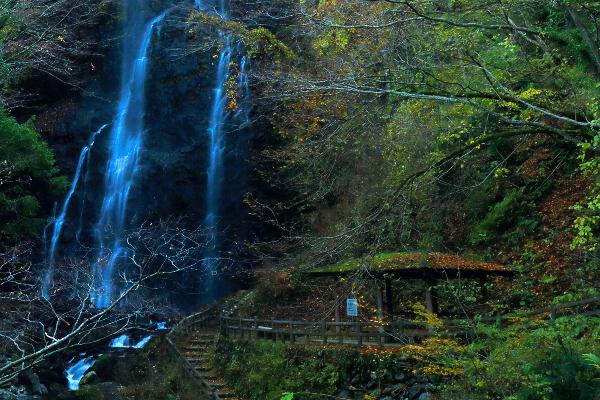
(75, 372)
(215, 169)
(124, 140)
(124, 153)
(215, 172)
(58, 221)
(243, 113)
(215, 165)
(120, 342)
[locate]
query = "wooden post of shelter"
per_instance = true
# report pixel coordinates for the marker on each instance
(380, 329)
(389, 298)
(431, 297)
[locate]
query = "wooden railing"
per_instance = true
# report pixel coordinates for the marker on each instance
(555, 310)
(191, 323)
(341, 332)
(182, 329)
(360, 332)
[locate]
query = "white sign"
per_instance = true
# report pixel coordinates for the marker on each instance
(352, 307)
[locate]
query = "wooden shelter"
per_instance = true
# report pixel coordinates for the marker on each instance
(429, 267)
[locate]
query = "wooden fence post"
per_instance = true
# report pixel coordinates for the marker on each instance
(338, 328)
(324, 332)
(307, 333)
(359, 333)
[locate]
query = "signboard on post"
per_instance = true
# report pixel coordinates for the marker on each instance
(352, 307)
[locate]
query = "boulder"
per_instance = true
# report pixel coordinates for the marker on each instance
(31, 381)
(89, 378)
(399, 377)
(7, 395)
(57, 388)
(42, 390)
(16, 393)
(414, 392)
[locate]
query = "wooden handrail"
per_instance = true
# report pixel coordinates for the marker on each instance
(182, 327)
(554, 308)
(284, 329)
(203, 384)
(189, 322)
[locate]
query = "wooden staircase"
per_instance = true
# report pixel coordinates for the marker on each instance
(197, 350)
(193, 341)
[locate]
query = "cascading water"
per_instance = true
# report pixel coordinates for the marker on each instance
(75, 372)
(215, 170)
(243, 112)
(58, 222)
(120, 342)
(216, 125)
(125, 146)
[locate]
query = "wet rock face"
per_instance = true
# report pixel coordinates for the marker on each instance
(171, 175)
(174, 158)
(171, 178)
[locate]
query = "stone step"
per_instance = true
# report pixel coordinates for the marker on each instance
(195, 347)
(210, 335)
(225, 395)
(194, 353)
(197, 359)
(202, 340)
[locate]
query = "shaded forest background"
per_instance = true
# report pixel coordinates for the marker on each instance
(459, 126)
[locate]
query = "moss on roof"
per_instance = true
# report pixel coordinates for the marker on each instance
(410, 260)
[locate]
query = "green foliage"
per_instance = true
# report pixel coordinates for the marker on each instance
(273, 289)
(89, 392)
(264, 371)
(592, 359)
(267, 370)
(588, 221)
(29, 180)
(534, 361)
(258, 42)
(499, 216)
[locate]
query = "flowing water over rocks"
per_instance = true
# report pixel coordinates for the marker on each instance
(122, 166)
